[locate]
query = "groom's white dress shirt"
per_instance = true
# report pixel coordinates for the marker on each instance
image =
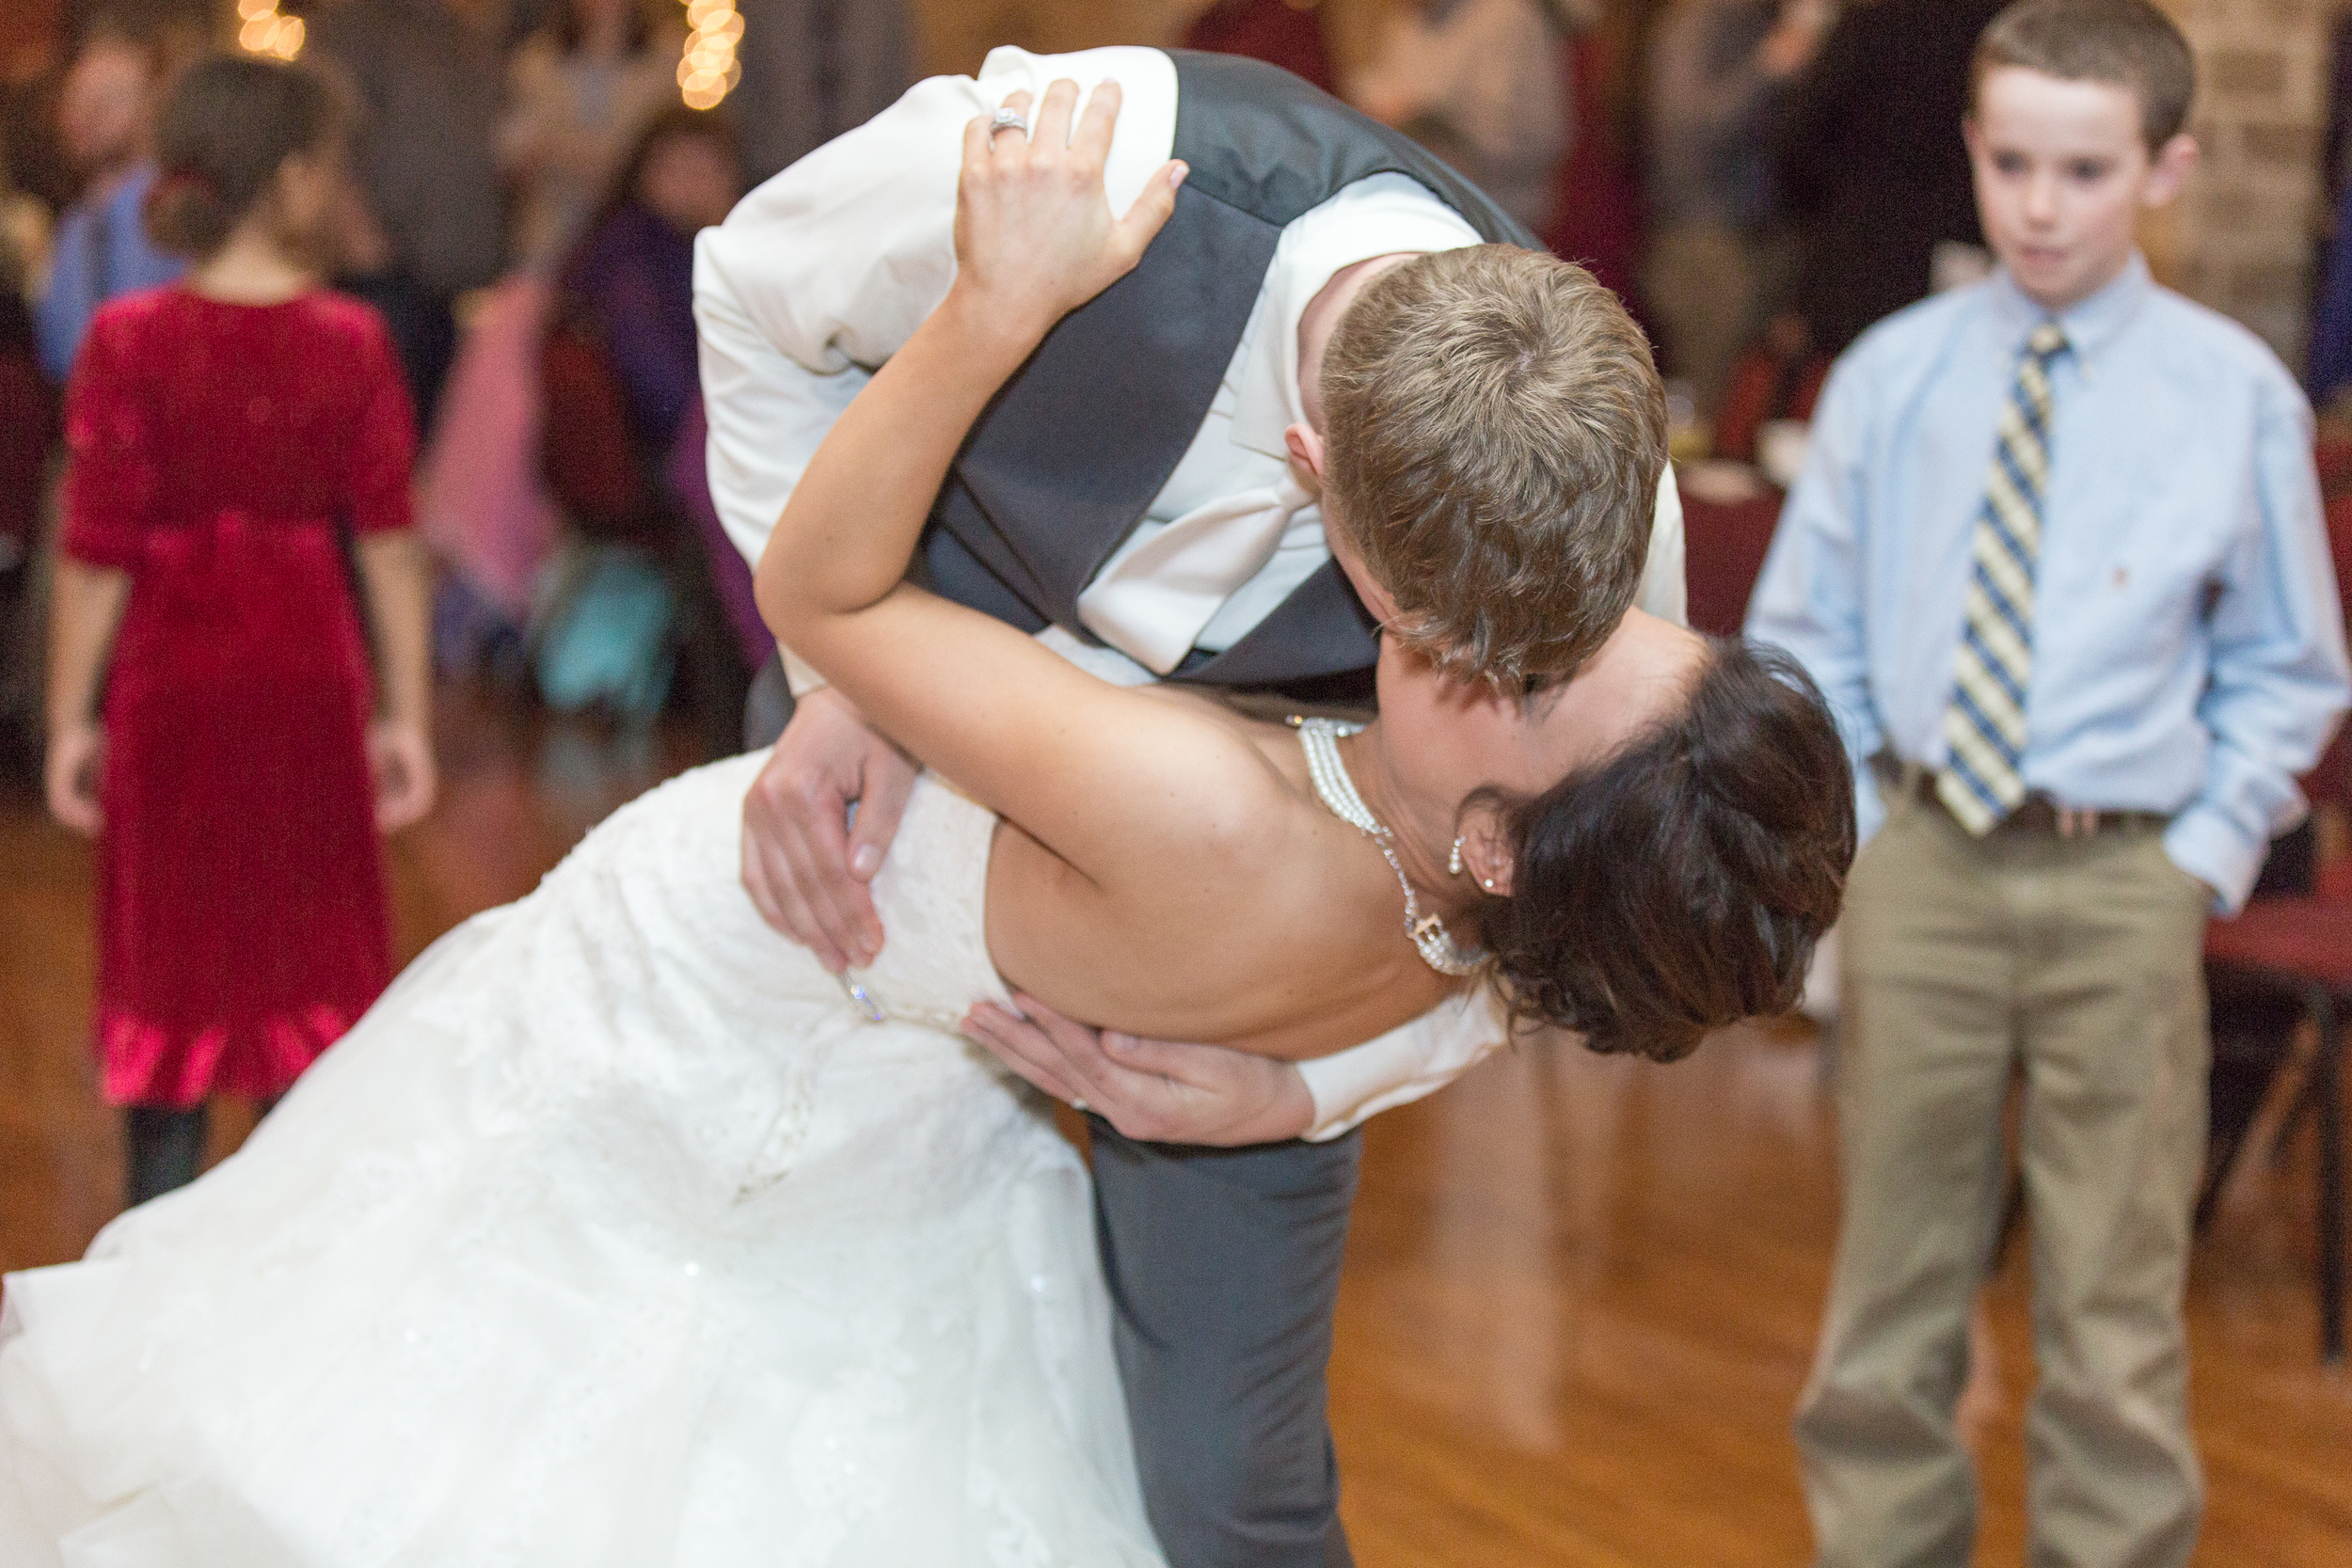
(825, 271)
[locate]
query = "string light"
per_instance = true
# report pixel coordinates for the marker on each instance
(707, 70)
(265, 32)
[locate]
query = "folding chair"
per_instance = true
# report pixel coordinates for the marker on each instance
(2298, 950)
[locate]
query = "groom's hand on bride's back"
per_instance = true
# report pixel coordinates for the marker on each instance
(1156, 1091)
(805, 864)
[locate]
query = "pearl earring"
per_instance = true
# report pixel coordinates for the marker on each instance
(1453, 865)
(1488, 884)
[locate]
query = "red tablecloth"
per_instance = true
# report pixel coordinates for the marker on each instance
(1725, 551)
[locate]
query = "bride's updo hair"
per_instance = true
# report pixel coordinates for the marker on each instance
(1681, 885)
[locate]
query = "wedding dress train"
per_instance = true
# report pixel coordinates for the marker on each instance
(618, 1232)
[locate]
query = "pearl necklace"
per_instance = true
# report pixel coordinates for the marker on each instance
(1320, 739)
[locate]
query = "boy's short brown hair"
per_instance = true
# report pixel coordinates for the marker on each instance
(2128, 43)
(1495, 428)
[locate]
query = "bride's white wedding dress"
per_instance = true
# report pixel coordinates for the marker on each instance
(617, 1234)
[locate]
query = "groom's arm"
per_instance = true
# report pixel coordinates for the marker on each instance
(814, 280)
(826, 270)
(816, 277)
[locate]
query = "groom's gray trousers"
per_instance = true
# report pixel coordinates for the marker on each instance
(1224, 1271)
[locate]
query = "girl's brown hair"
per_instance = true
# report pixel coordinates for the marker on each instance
(229, 126)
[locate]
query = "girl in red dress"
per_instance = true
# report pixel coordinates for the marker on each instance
(223, 432)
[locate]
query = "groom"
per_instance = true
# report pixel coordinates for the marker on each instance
(1151, 483)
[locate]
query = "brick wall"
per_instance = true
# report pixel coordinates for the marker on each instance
(2241, 237)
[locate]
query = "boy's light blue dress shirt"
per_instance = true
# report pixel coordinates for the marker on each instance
(102, 252)
(2189, 643)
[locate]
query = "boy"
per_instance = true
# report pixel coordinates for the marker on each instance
(2056, 558)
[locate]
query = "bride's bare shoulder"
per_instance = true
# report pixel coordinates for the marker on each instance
(1231, 794)
(1236, 909)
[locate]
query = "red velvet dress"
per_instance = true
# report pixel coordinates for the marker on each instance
(214, 450)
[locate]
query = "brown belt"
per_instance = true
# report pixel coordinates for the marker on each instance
(2036, 814)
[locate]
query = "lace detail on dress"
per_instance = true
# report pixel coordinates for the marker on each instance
(613, 1234)
(933, 892)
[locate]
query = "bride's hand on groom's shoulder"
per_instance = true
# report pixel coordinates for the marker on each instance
(1156, 1091)
(1034, 238)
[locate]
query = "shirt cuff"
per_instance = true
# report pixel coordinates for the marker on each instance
(1869, 806)
(1402, 1065)
(2204, 842)
(798, 676)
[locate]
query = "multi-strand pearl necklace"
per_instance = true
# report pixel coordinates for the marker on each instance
(1320, 739)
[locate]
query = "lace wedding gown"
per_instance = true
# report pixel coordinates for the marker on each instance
(616, 1233)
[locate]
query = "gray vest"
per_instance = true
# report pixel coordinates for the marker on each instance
(1059, 469)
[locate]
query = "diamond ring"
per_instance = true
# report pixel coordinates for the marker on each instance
(1009, 120)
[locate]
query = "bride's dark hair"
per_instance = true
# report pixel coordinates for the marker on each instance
(1681, 884)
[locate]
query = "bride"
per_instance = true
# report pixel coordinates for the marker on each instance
(621, 1232)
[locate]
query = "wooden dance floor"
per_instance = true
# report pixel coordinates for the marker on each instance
(1581, 1294)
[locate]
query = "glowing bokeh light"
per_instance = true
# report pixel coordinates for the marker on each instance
(265, 32)
(707, 68)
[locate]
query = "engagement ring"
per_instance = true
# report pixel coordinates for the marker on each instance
(1009, 120)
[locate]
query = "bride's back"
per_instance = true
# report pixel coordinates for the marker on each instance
(1241, 911)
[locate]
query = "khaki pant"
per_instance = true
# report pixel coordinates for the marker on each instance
(2075, 961)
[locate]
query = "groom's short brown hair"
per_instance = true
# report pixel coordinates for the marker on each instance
(1494, 427)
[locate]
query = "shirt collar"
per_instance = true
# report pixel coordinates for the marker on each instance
(2089, 324)
(1380, 215)
(1266, 401)
(1266, 398)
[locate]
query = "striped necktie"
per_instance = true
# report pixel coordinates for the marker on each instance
(1986, 725)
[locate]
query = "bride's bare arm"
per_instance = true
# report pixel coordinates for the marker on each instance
(1140, 890)
(1079, 764)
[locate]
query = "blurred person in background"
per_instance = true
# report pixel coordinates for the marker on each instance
(1717, 261)
(1871, 165)
(427, 218)
(620, 373)
(582, 87)
(2328, 371)
(1480, 83)
(27, 404)
(27, 430)
(813, 69)
(1288, 33)
(632, 279)
(212, 721)
(105, 118)
(35, 172)
(29, 142)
